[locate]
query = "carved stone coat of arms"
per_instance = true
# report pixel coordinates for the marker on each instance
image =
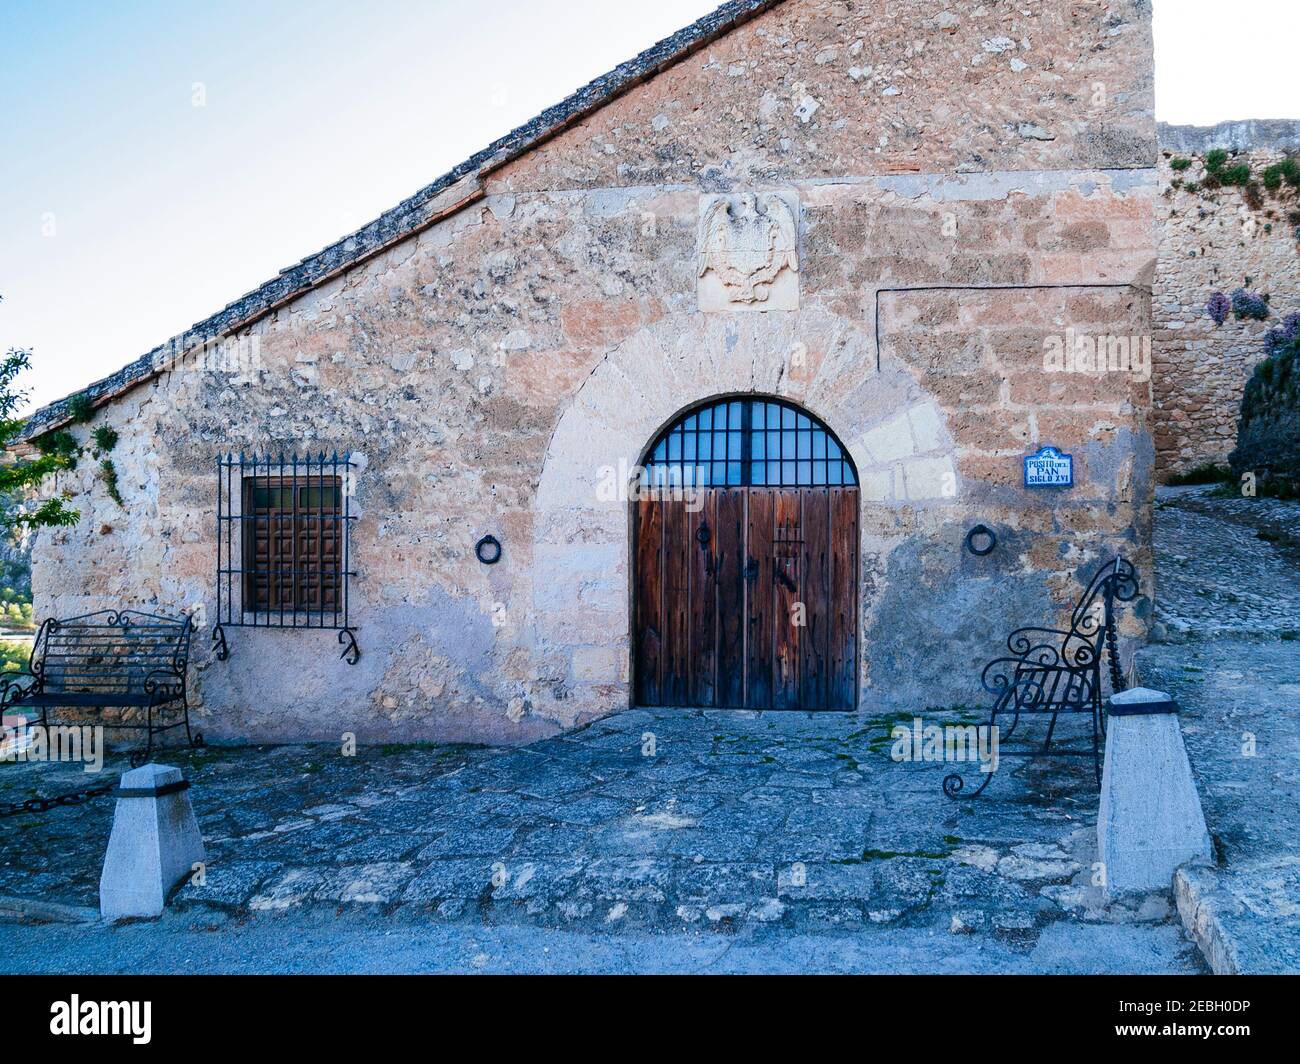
(749, 252)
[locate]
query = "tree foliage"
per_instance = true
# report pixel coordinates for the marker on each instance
(20, 477)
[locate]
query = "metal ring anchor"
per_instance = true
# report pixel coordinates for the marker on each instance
(984, 532)
(488, 550)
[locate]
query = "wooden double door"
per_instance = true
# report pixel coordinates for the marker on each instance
(746, 597)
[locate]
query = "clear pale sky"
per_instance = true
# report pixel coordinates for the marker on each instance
(127, 213)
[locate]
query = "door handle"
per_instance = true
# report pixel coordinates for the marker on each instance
(704, 537)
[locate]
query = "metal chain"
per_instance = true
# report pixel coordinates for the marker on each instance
(1117, 682)
(44, 805)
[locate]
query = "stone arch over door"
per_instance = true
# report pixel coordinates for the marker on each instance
(581, 610)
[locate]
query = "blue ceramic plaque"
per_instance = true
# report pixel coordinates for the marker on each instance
(1049, 468)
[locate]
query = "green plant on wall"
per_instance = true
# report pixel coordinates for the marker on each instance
(80, 408)
(60, 446)
(1237, 174)
(58, 452)
(1221, 172)
(105, 438)
(1218, 172)
(109, 473)
(1287, 170)
(1179, 164)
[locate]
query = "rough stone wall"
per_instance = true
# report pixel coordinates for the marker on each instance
(825, 90)
(489, 369)
(1214, 240)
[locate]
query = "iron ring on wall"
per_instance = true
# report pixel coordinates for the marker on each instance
(981, 531)
(488, 550)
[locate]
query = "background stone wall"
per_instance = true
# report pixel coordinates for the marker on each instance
(488, 369)
(1213, 240)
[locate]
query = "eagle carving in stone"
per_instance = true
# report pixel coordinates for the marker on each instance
(747, 241)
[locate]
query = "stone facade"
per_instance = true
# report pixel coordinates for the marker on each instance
(966, 183)
(1215, 240)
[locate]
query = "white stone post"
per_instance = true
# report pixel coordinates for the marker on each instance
(1150, 820)
(154, 845)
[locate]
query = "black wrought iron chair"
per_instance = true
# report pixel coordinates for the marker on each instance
(1051, 671)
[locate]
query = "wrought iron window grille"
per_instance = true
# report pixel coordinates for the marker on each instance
(743, 441)
(284, 545)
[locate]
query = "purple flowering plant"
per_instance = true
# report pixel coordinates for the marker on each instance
(1217, 308)
(1249, 305)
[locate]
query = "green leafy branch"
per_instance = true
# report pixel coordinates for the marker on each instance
(19, 477)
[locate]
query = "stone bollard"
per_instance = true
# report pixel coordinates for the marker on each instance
(1150, 820)
(154, 845)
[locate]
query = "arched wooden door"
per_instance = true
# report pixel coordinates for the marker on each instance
(746, 561)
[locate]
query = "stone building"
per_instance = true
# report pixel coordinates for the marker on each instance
(827, 263)
(1216, 240)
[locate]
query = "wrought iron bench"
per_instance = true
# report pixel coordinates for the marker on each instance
(1051, 671)
(113, 659)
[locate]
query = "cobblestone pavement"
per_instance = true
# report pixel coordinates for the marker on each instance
(1229, 590)
(1227, 565)
(361, 941)
(1240, 702)
(792, 821)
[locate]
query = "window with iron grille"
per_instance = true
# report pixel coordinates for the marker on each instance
(750, 443)
(283, 545)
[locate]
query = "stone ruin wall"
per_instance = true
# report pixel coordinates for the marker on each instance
(1213, 241)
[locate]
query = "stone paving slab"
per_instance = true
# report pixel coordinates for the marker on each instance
(359, 940)
(1229, 594)
(1245, 918)
(1241, 721)
(799, 822)
(1227, 565)
(1240, 704)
